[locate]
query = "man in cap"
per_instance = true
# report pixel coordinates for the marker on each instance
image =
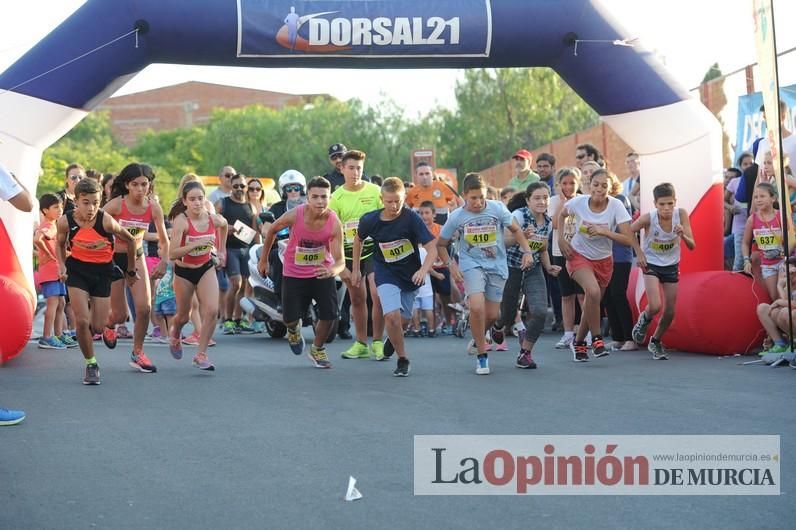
(522, 170)
(335, 177)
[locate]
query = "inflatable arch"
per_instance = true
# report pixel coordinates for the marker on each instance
(48, 91)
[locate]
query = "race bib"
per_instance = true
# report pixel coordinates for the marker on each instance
(396, 250)
(310, 256)
(350, 231)
(243, 232)
(584, 228)
(537, 241)
(481, 236)
(200, 250)
(768, 239)
(137, 229)
(662, 246)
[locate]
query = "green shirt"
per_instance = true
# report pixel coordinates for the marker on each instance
(520, 185)
(349, 207)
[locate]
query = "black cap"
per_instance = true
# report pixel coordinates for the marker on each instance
(337, 148)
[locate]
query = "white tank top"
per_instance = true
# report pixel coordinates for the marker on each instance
(662, 248)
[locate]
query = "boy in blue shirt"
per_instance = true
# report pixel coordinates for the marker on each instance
(396, 231)
(482, 258)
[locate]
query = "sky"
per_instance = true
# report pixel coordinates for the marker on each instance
(687, 35)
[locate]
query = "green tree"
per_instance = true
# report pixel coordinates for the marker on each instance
(90, 144)
(500, 110)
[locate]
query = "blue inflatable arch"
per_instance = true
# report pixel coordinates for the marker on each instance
(625, 85)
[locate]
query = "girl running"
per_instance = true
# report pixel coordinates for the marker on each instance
(89, 270)
(763, 234)
(589, 259)
(134, 210)
(198, 235)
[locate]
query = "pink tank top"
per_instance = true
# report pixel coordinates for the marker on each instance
(306, 249)
(768, 239)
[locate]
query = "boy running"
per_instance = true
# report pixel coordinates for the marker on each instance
(397, 232)
(90, 269)
(482, 258)
(313, 257)
(664, 228)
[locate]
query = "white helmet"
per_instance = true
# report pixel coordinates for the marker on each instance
(291, 176)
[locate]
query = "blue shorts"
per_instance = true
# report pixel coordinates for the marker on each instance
(237, 262)
(424, 303)
(223, 281)
(393, 298)
(480, 281)
(53, 288)
(167, 307)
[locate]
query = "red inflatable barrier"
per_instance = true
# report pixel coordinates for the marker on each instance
(715, 313)
(17, 301)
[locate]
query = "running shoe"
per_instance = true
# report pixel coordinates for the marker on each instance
(11, 417)
(318, 357)
(402, 369)
(482, 365)
(258, 326)
(499, 339)
(191, 340)
(377, 348)
(776, 348)
(432, 334)
(488, 339)
(656, 349)
(524, 360)
(155, 333)
(51, 343)
(243, 328)
(228, 327)
(295, 340)
(357, 350)
(598, 347)
(123, 333)
(109, 337)
(388, 350)
(96, 337)
(92, 376)
(68, 340)
(201, 361)
(640, 329)
(141, 362)
(580, 352)
(472, 349)
(175, 346)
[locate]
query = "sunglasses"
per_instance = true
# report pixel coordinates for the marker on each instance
(228, 175)
(292, 188)
(76, 177)
(255, 189)
(580, 157)
(336, 156)
(239, 186)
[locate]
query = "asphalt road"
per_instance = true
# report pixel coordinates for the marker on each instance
(267, 441)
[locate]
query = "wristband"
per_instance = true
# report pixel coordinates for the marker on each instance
(746, 259)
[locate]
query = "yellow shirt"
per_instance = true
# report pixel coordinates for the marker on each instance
(350, 206)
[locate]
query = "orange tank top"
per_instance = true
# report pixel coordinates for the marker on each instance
(90, 244)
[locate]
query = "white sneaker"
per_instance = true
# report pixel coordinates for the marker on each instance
(472, 349)
(565, 342)
(482, 366)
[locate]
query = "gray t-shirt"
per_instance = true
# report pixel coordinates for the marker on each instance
(480, 239)
(217, 194)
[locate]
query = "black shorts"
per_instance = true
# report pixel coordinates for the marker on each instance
(667, 274)
(120, 260)
(298, 294)
(193, 274)
(565, 282)
(442, 287)
(94, 278)
(365, 265)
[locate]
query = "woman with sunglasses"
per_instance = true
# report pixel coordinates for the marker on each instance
(256, 196)
(74, 174)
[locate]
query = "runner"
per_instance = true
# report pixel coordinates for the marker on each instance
(200, 234)
(350, 202)
(482, 254)
(398, 272)
(134, 210)
(589, 258)
(763, 234)
(664, 228)
(440, 285)
(312, 259)
(90, 270)
(536, 226)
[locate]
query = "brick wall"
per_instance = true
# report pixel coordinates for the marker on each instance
(185, 105)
